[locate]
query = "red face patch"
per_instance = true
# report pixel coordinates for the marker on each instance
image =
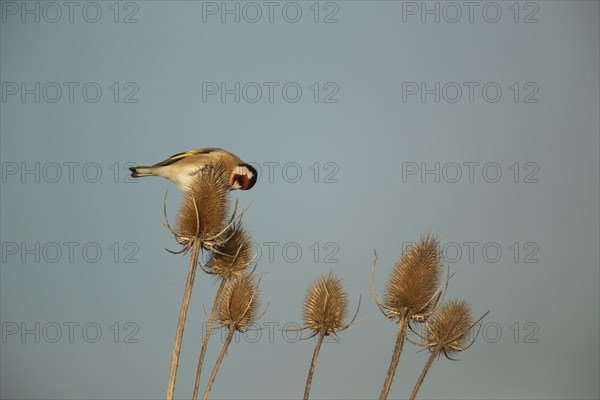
(241, 180)
(245, 183)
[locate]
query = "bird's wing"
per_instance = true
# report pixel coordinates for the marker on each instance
(180, 156)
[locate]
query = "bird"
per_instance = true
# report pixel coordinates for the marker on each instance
(182, 167)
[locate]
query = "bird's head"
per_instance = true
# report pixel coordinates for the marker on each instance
(244, 177)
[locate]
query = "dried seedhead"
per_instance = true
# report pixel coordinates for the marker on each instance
(203, 213)
(205, 208)
(238, 305)
(450, 330)
(413, 288)
(231, 257)
(326, 306)
(415, 277)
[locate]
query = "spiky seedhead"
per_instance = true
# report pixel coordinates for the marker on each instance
(233, 255)
(238, 305)
(326, 305)
(205, 208)
(415, 278)
(450, 329)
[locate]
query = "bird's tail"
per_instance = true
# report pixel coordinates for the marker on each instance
(137, 172)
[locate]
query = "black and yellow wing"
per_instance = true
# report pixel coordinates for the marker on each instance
(180, 156)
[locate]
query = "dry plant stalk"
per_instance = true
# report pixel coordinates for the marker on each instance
(238, 307)
(200, 223)
(412, 294)
(205, 338)
(181, 321)
(325, 308)
(448, 334)
(227, 261)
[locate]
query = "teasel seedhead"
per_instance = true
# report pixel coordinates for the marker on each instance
(205, 208)
(326, 306)
(233, 255)
(238, 305)
(203, 215)
(450, 329)
(413, 288)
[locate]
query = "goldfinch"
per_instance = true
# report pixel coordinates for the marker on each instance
(181, 168)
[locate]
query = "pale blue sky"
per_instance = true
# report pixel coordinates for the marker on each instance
(370, 144)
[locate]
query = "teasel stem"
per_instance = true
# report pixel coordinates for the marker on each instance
(182, 316)
(218, 363)
(435, 352)
(313, 364)
(401, 335)
(211, 318)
